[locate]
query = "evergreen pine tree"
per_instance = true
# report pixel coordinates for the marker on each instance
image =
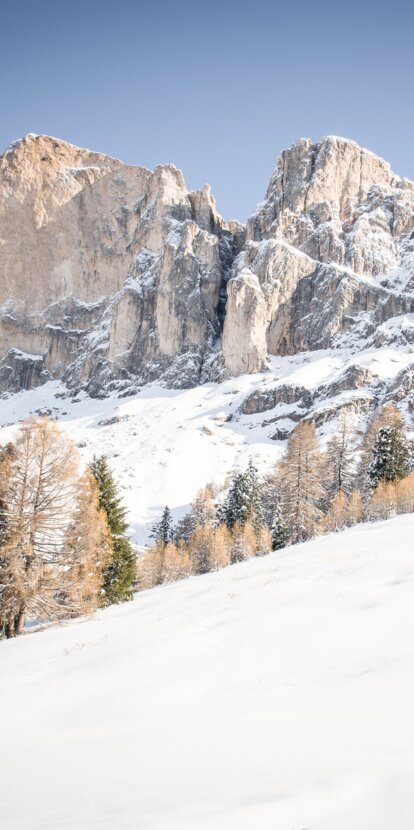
(120, 574)
(234, 509)
(389, 456)
(162, 532)
(278, 530)
(254, 489)
(243, 503)
(385, 416)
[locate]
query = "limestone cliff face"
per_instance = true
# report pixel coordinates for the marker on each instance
(107, 272)
(332, 240)
(113, 275)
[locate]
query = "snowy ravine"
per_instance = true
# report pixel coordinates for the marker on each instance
(163, 444)
(275, 694)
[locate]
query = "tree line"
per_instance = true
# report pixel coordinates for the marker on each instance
(64, 548)
(309, 492)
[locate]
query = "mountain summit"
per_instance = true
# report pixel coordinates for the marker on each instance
(112, 276)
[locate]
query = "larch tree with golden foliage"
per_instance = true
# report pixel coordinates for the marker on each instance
(243, 543)
(340, 459)
(88, 550)
(163, 563)
(355, 508)
(39, 487)
(337, 517)
(405, 494)
(203, 513)
(209, 548)
(301, 481)
(383, 502)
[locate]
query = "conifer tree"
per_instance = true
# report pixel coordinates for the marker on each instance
(177, 563)
(243, 543)
(301, 477)
(7, 454)
(383, 502)
(389, 456)
(220, 553)
(263, 541)
(203, 513)
(270, 495)
(120, 574)
(38, 483)
(162, 532)
(278, 530)
(340, 460)
(384, 416)
(355, 508)
(243, 503)
(161, 564)
(405, 494)
(200, 548)
(337, 517)
(88, 551)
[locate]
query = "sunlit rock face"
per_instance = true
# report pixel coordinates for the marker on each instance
(112, 276)
(332, 241)
(109, 272)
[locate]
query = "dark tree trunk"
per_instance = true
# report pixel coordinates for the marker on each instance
(19, 622)
(15, 625)
(9, 628)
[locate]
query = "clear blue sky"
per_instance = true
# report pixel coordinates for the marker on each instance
(217, 88)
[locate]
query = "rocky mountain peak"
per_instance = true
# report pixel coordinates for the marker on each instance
(318, 183)
(109, 272)
(334, 214)
(112, 275)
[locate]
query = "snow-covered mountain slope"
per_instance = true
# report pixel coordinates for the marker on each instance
(277, 693)
(165, 444)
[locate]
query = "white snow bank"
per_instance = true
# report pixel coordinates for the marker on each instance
(274, 694)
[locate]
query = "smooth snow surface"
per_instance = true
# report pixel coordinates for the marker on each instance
(276, 694)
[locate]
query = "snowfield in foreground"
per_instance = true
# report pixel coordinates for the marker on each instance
(275, 694)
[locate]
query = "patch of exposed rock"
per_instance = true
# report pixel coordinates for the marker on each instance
(20, 371)
(354, 377)
(262, 400)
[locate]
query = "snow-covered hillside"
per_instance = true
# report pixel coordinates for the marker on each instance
(165, 444)
(277, 693)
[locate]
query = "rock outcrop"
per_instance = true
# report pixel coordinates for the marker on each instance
(332, 241)
(111, 273)
(112, 276)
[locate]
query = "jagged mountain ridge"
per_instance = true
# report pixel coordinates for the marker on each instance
(113, 276)
(332, 240)
(108, 272)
